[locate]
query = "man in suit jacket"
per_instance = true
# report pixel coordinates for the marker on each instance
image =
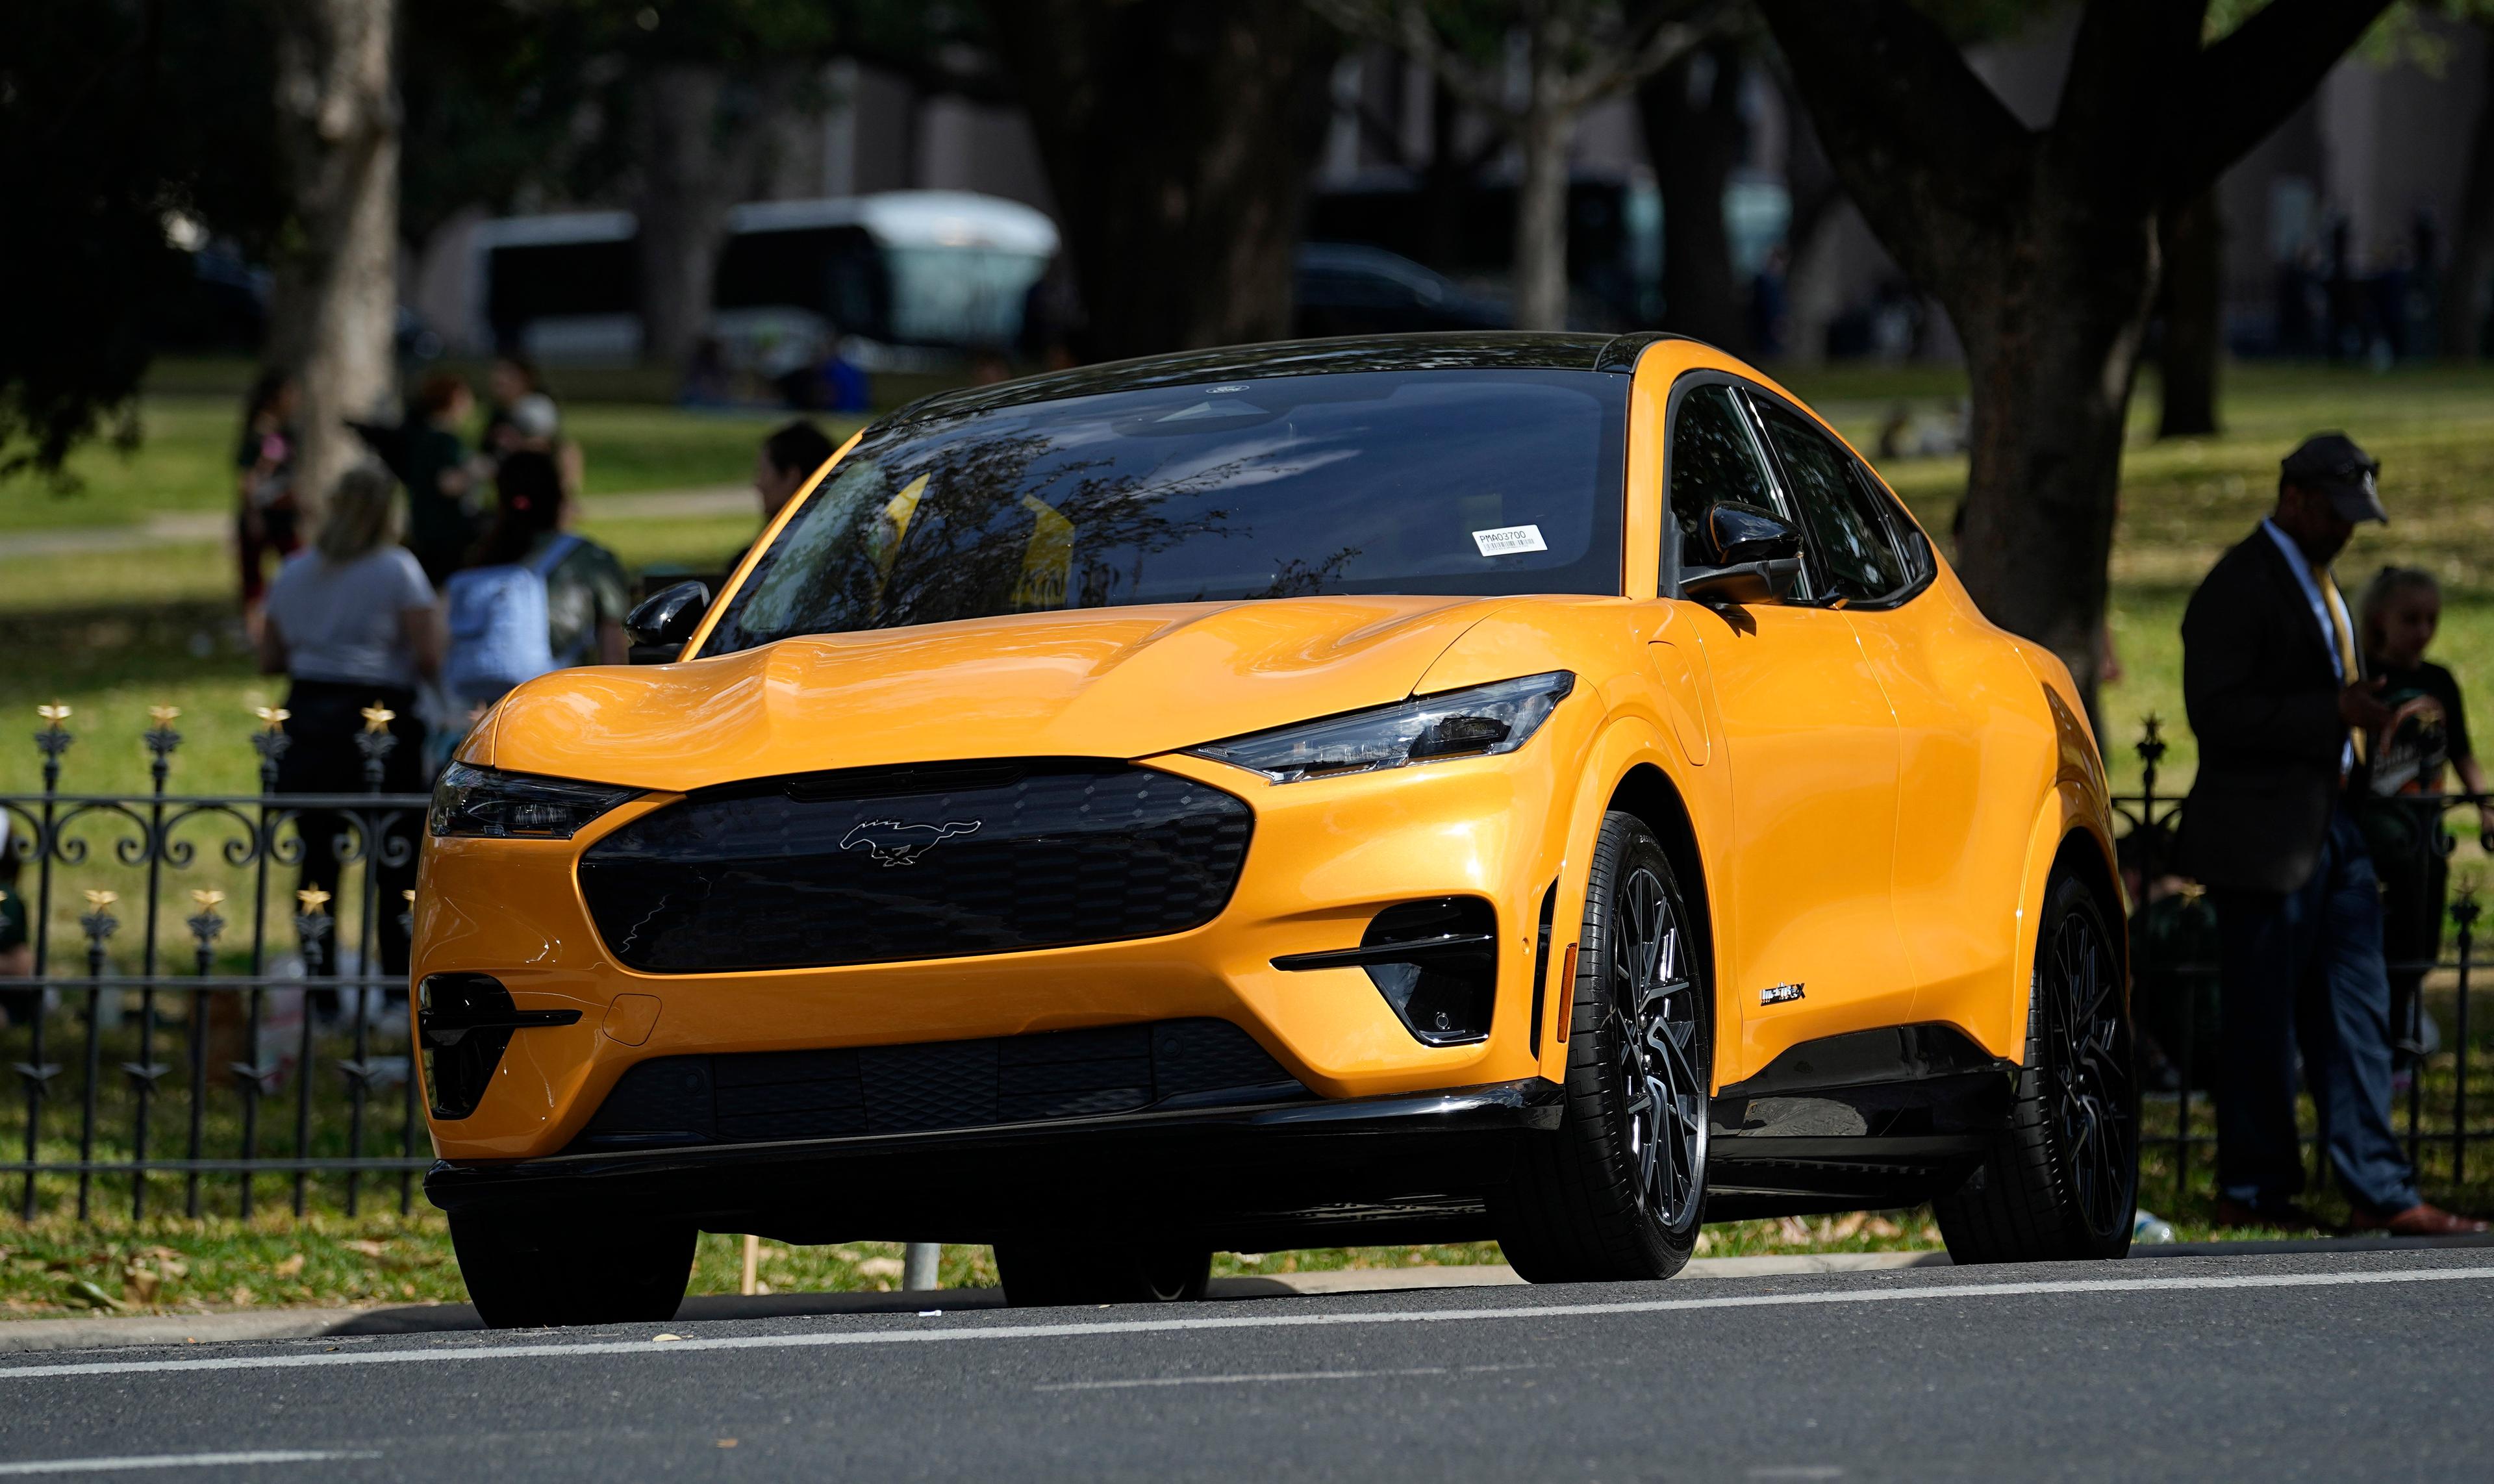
(2275, 687)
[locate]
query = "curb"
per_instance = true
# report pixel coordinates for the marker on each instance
(26, 1336)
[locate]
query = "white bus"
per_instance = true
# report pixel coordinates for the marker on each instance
(891, 276)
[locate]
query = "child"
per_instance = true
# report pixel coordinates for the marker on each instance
(2428, 730)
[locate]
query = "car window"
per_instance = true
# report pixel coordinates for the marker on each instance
(1850, 531)
(1714, 461)
(1909, 540)
(1443, 481)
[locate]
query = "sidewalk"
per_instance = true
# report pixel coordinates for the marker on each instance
(31, 1335)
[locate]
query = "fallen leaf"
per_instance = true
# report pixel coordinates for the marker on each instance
(241, 1295)
(291, 1267)
(1882, 1226)
(83, 1290)
(1847, 1226)
(879, 1267)
(368, 1249)
(141, 1284)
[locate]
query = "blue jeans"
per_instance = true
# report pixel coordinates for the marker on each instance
(2305, 968)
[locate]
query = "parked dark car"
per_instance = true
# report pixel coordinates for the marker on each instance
(1346, 288)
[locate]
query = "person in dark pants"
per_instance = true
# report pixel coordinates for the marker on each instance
(2279, 699)
(353, 624)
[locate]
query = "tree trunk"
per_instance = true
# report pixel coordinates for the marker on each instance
(2053, 318)
(2191, 242)
(703, 134)
(334, 309)
(1178, 137)
(2466, 288)
(1693, 142)
(1542, 219)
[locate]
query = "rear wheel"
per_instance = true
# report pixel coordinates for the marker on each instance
(525, 1271)
(1043, 1274)
(2062, 1180)
(1617, 1192)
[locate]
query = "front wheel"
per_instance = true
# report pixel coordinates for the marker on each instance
(1046, 1274)
(2062, 1181)
(1617, 1192)
(525, 1271)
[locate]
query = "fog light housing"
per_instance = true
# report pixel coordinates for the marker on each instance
(1435, 962)
(463, 1025)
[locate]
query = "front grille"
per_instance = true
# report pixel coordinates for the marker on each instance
(877, 864)
(756, 1097)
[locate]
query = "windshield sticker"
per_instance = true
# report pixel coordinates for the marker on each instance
(1509, 540)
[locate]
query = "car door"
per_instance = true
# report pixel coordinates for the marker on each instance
(1966, 722)
(1810, 934)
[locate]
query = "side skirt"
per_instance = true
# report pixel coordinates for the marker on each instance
(1866, 1120)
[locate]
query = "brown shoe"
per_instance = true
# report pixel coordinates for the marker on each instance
(2280, 1216)
(2421, 1220)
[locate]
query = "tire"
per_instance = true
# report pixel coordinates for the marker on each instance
(1046, 1274)
(1619, 1191)
(2061, 1182)
(525, 1272)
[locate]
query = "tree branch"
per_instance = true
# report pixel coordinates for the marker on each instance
(1905, 121)
(1405, 24)
(2243, 87)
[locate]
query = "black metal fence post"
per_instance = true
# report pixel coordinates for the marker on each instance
(145, 1073)
(407, 1084)
(2464, 913)
(52, 740)
(311, 925)
(205, 924)
(98, 923)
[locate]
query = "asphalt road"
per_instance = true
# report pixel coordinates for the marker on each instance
(2334, 1365)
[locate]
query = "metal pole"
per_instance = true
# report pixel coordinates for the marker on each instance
(918, 1264)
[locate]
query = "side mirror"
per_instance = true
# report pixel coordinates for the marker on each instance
(1741, 556)
(665, 621)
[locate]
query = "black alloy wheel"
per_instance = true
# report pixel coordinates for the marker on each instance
(2062, 1181)
(1618, 1192)
(1655, 1032)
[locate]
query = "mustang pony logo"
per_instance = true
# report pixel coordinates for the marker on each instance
(893, 843)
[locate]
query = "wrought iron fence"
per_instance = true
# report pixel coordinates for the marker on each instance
(228, 1023)
(281, 985)
(2173, 976)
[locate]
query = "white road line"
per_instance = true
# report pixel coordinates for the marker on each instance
(1256, 1378)
(179, 1461)
(1293, 1320)
(1251, 1380)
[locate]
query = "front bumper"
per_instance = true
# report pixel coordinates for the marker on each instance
(1326, 857)
(1411, 1168)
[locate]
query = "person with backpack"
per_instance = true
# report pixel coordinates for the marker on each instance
(536, 597)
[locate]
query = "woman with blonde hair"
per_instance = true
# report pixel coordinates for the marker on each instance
(352, 625)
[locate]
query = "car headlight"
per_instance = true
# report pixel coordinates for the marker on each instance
(1475, 722)
(483, 802)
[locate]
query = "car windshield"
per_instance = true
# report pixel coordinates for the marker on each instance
(1456, 482)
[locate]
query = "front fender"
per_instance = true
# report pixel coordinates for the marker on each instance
(1625, 746)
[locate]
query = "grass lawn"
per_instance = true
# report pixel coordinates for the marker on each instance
(112, 634)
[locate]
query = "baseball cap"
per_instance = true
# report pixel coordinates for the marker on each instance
(2331, 463)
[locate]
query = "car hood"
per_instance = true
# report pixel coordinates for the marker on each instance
(1122, 683)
